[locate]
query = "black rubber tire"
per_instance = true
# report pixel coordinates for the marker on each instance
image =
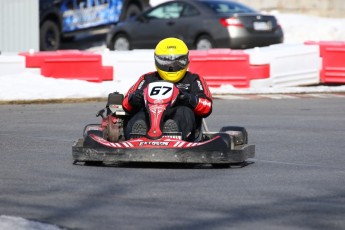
(204, 42)
(49, 36)
(95, 129)
(237, 129)
(120, 42)
(132, 10)
(88, 141)
(68, 39)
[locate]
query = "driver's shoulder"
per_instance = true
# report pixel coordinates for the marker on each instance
(191, 76)
(151, 76)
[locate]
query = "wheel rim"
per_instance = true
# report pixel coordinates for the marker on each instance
(50, 39)
(203, 44)
(121, 43)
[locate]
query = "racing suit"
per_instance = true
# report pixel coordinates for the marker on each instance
(187, 114)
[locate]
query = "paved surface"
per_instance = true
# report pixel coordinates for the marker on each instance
(280, 96)
(296, 180)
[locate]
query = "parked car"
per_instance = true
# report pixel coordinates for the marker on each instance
(202, 24)
(63, 19)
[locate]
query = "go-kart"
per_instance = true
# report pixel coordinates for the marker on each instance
(105, 142)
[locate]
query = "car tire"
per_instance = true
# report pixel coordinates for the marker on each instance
(49, 36)
(68, 39)
(121, 43)
(204, 42)
(132, 10)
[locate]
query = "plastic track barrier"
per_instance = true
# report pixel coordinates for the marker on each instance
(333, 61)
(11, 63)
(129, 65)
(281, 65)
(289, 65)
(221, 67)
(70, 64)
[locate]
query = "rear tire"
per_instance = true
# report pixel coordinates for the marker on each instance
(204, 42)
(112, 132)
(115, 99)
(68, 39)
(93, 128)
(49, 36)
(132, 10)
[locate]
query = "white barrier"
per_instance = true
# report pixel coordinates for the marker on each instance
(290, 65)
(11, 63)
(129, 65)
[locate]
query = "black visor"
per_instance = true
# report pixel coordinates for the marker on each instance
(171, 63)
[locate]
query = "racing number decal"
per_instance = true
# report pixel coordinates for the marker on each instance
(157, 90)
(160, 90)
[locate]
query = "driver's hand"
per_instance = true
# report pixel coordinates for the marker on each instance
(137, 98)
(188, 99)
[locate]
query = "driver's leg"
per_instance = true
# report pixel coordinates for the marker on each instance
(136, 124)
(185, 119)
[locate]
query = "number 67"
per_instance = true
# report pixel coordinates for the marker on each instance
(160, 90)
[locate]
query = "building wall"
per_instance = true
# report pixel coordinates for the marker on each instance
(19, 25)
(323, 8)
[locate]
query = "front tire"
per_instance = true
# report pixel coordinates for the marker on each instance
(240, 133)
(121, 42)
(49, 36)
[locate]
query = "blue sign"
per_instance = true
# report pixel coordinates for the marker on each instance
(80, 14)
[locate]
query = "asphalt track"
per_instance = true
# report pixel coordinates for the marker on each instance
(296, 180)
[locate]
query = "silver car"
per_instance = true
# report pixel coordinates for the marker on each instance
(201, 24)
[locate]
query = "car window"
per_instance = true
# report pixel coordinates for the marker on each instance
(222, 7)
(167, 11)
(189, 11)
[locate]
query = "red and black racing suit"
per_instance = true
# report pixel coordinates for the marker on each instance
(188, 117)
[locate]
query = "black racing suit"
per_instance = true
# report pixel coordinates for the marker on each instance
(187, 116)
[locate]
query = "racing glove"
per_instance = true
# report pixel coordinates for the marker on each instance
(188, 99)
(136, 98)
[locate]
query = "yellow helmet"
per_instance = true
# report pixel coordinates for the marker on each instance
(171, 59)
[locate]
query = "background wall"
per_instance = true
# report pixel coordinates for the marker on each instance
(19, 20)
(323, 8)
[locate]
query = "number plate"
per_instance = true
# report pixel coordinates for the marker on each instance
(262, 26)
(160, 90)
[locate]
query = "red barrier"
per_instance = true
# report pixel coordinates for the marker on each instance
(221, 67)
(259, 71)
(70, 64)
(35, 60)
(333, 61)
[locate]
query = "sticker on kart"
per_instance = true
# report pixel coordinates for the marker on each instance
(148, 143)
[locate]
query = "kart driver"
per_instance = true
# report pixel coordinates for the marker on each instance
(171, 60)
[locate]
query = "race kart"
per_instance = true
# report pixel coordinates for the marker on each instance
(105, 142)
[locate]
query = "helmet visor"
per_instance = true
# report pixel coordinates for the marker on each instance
(171, 63)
